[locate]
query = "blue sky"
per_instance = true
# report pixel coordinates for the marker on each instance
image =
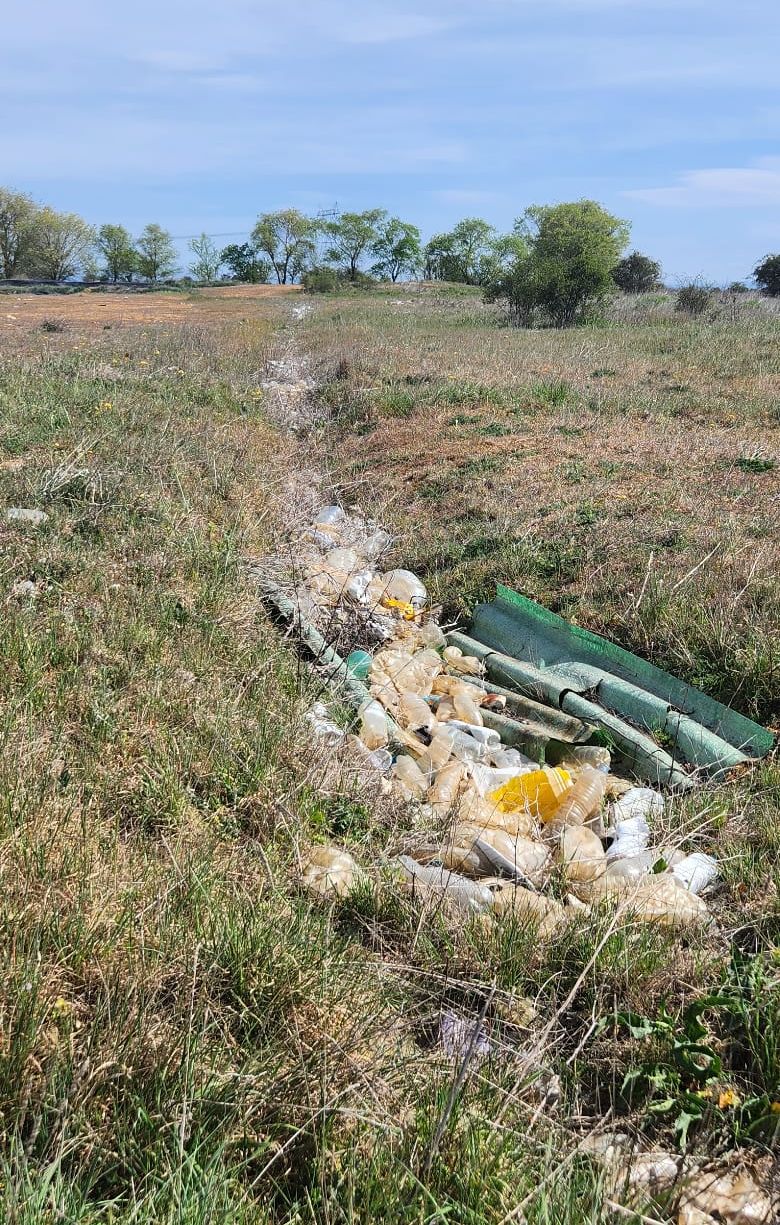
(199, 115)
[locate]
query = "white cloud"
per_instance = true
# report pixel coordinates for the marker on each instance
(721, 187)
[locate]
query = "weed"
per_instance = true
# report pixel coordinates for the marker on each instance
(553, 392)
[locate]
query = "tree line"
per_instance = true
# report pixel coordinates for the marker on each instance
(558, 263)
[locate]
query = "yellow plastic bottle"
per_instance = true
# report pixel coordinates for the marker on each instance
(539, 792)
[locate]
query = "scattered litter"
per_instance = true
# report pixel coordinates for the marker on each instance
(25, 589)
(21, 514)
(460, 1037)
(704, 1196)
(459, 747)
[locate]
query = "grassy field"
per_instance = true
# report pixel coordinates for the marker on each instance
(184, 1037)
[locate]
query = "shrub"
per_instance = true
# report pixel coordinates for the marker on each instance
(637, 273)
(321, 279)
(566, 272)
(738, 287)
(767, 275)
(693, 299)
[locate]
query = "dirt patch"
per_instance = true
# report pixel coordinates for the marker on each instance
(101, 308)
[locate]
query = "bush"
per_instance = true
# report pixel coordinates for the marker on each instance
(566, 273)
(321, 279)
(637, 273)
(767, 275)
(738, 287)
(693, 299)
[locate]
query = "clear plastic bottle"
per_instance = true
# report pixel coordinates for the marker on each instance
(438, 752)
(467, 664)
(581, 802)
(411, 777)
(641, 802)
(404, 586)
(373, 724)
(432, 636)
(484, 735)
(592, 755)
(414, 712)
(696, 871)
(632, 867)
(580, 853)
(632, 837)
(448, 781)
(465, 747)
(466, 709)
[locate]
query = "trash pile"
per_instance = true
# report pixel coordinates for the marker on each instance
(500, 824)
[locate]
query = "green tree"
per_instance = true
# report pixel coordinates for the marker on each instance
(352, 235)
(767, 275)
(156, 253)
(397, 249)
(60, 244)
(115, 244)
(637, 273)
(207, 258)
(472, 253)
(572, 250)
(245, 264)
(17, 222)
(289, 239)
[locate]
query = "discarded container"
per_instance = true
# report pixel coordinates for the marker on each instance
(322, 726)
(359, 664)
(330, 871)
(696, 872)
(581, 802)
(373, 725)
(631, 837)
(441, 884)
(523, 904)
(405, 587)
(580, 854)
(520, 858)
(656, 899)
(467, 710)
(449, 780)
(591, 755)
(641, 802)
(540, 792)
(414, 712)
(483, 735)
(410, 776)
(632, 867)
(468, 664)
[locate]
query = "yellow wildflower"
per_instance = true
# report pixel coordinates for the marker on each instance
(61, 1007)
(728, 1098)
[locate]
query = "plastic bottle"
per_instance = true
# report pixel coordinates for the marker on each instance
(465, 747)
(436, 882)
(432, 636)
(511, 856)
(438, 752)
(344, 561)
(637, 802)
(322, 726)
(373, 725)
(539, 792)
(580, 853)
(632, 867)
(592, 755)
(329, 515)
(404, 586)
(696, 871)
(445, 789)
(414, 712)
(580, 803)
(468, 664)
(411, 777)
(632, 837)
(329, 870)
(466, 709)
(359, 664)
(483, 735)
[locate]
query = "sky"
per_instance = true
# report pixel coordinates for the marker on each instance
(200, 114)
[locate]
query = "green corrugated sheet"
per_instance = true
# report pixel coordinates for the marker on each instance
(575, 666)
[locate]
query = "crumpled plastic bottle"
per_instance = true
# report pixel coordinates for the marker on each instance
(467, 664)
(373, 724)
(330, 871)
(580, 854)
